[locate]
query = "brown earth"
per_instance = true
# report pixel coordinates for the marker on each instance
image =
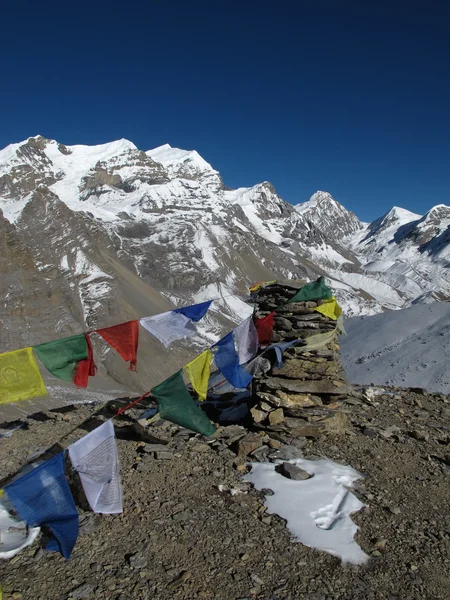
(180, 537)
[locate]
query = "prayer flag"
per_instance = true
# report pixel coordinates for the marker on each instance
(330, 308)
(227, 361)
(42, 497)
(175, 404)
(19, 376)
(279, 348)
(69, 359)
(85, 368)
(246, 340)
(195, 312)
(123, 338)
(198, 371)
(315, 290)
(169, 327)
(264, 327)
(96, 460)
(256, 286)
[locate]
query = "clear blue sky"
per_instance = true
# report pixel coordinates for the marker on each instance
(351, 97)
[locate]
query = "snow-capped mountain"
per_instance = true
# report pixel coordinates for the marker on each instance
(335, 221)
(95, 235)
(408, 252)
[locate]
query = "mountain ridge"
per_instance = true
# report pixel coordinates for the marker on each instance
(101, 229)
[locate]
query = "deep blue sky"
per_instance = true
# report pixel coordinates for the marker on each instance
(351, 97)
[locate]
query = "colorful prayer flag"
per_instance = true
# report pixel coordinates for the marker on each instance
(195, 312)
(256, 286)
(330, 308)
(246, 340)
(169, 327)
(175, 404)
(279, 348)
(227, 361)
(264, 327)
(315, 290)
(85, 368)
(199, 370)
(69, 359)
(123, 338)
(96, 460)
(42, 497)
(20, 378)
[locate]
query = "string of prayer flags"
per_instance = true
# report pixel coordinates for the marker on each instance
(264, 327)
(227, 361)
(96, 460)
(42, 497)
(69, 359)
(315, 290)
(246, 340)
(176, 405)
(330, 308)
(123, 338)
(169, 327)
(198, 371)
(20, 378)
(195, 312)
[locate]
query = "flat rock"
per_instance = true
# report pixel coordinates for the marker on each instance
(302, 428)
(316, 386)
(276, 416)
(248, 444)
(292, 471)
(258, 415)
(82, 591)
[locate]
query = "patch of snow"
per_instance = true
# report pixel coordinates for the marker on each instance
(317, 509)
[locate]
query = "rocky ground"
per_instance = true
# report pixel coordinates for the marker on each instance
(184, 534)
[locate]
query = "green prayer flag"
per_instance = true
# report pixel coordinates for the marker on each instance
(175, 404)
(61, 357)
(316, 290)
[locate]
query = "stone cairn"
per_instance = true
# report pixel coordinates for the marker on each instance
(307, 395)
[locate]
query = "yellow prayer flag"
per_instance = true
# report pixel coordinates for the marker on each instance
(198, 371)
(330, 308)
(255, 287)
(20, 378)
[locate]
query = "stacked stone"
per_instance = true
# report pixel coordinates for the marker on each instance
(306, 396)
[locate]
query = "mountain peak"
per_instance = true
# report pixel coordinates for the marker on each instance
(185, 164)
(329, 216)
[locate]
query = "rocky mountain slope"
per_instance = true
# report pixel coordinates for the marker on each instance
(95, 235)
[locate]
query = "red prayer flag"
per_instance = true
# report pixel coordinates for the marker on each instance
(264, 327)
(85, 368)
(123, 338)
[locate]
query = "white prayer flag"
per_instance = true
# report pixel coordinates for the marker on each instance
(246, 340)
(169, 327)
(96, 460)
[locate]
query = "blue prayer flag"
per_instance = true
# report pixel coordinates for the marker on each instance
(279, 348)
(227, 361)
(42, 497)
(196, 311)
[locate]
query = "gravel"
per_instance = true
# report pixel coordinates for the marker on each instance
(180, 537)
